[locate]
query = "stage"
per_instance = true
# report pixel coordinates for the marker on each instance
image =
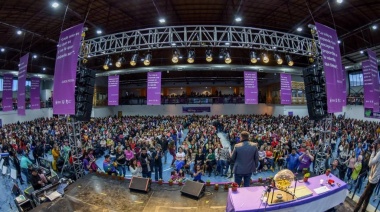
(97, 193)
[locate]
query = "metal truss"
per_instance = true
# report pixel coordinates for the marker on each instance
(75, 143)
(198, 36)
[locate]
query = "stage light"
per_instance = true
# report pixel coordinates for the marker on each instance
(175, 57)
(120, 61)
(299, 29)
(99, 32)
(35, 56)
(253, 57)
(339, 1)
(227, 57)
(2, 50)
(19, 32)
(361, 52)
(147, 59)
(191, 56)
(278, 59)
(43, 69)
(311, 59)
(238, 19)
(174, 44)
(162, 20)
(107, 63)
(339, 41)
(209, 55)
(134, 59)
(374, 27)
(55, 4)
(289, 60)
(264, 57)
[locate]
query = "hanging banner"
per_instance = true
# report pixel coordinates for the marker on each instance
(154, 88)
(23, 67)
(65, 71)
(375, 79)
(113, 90)
(251, 93)
(344, 87)
(7, 92)
(286, 89)
(35, 99)
(332, 65)
(367, 85)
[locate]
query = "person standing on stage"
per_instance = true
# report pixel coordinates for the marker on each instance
(246, 159)
(373, 178)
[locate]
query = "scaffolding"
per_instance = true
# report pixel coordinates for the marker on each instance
(75, 143)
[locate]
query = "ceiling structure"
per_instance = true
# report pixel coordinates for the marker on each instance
(41, 24)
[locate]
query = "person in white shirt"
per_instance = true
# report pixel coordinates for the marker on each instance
(135, 168)
(180, 159)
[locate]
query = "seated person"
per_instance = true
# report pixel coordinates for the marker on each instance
(198, 174)
(108, 165)
(38, 181)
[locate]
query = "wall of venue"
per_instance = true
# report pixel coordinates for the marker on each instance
(12, 117)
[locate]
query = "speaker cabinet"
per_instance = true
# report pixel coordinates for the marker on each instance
(193, 189)
(140, 184)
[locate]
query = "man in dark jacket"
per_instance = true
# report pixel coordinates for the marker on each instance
(157, 157)
(145, 161)
(36, 180)
(246, 159)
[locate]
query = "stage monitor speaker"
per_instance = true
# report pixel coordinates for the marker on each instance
(140, 184)
(193, 189)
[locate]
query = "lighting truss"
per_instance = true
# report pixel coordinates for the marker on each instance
(199, 36)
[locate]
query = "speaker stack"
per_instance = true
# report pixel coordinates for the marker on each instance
(315, 92)
(84, 92)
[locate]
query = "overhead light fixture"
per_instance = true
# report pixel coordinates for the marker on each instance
(147, 59)
(264, 57)
(238, 19)
(289, 60)
(174, 44)
(19, 32)
(339, 41)
(35, 56)
(227, 43)
(99, 32)
(209, 55)
(175, 57)
(134, 59)
(374, 27)
(120, 61)
(191, 56)
(55, 4)
(361, 52)
(2, 50)
(299, 29)
(227, 57)
(107, 63)
(278, 59)
(253, 57)
(162, 20)
(43, 69)
(339, 1)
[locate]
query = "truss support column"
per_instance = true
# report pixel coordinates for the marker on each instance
(76, 146)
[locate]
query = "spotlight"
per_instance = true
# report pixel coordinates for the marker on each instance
(361, 52)
(134, 59)
(238, 19)
(253, 57)
(55, 4)
(35, 56)
(120, 61)
(339, 41)
(227, 57)
(339, 1)
(278, 59)
(43, 69)
(209, 55)
(99, 32)
(162, 20)
(19, 32)
(311, 59)
(2, 50)
(191, 56)
(147, 59)
(265, 57)
(175, 57)
(299, 29)
(374, 27)
(289, 60)
(106, 63)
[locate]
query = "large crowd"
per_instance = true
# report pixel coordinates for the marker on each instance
(141, 145)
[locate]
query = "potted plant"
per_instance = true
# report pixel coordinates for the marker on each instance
(251, 181)
(260, 180)
(159, 181)
(170, 182)
(216, 187)
(208, 183)
(306, 177)
(180, 182)
(226, 186)
(113, 176)
(304, 170)
(234, 186)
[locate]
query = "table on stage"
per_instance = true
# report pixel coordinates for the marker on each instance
(249, 199)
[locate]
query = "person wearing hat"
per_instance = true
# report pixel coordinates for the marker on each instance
(373, 178)
(157, 157)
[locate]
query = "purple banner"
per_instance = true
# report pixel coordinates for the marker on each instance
(7, 92)
(113, 90)
(196, 109)
(154, 88)
(332, 65)
(286, 89)
(367, 85)
(375, 79)
(35, 99)
(250, 87)
(344, 88)
(369, 113)
(21, 85)
(65, 71)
